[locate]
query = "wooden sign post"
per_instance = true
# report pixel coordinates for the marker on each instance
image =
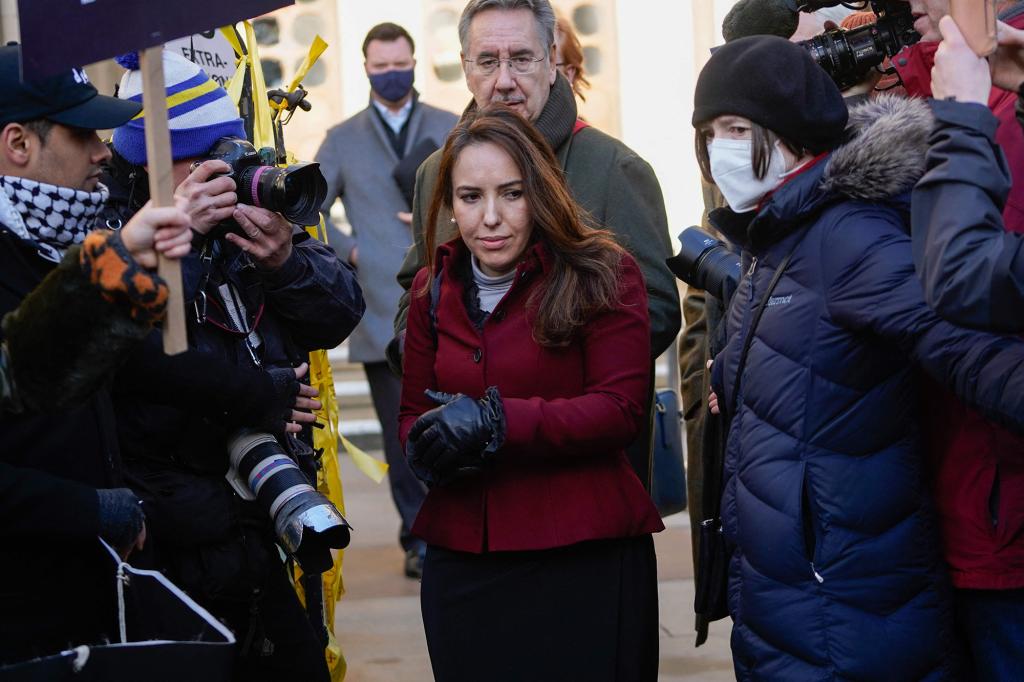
(161, 187)
(145, 27)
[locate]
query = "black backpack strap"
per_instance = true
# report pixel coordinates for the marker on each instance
(435, 297)
(753, 328)
(747, 341)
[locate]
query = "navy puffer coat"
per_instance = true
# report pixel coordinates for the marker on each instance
(836, 572)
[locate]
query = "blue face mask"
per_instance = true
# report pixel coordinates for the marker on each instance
(392, 86)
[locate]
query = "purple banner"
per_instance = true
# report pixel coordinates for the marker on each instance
(57, 35)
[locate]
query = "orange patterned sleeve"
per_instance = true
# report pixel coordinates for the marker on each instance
(110, 267)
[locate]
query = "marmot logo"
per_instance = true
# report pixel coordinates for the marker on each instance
(779, 300)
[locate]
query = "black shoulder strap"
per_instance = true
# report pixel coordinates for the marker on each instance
(714, 504)
(753, 328)
(435, 296)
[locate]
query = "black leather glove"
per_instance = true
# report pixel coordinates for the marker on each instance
(458, 438)
(121, 516)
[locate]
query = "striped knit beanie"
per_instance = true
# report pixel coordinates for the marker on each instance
(199, 111)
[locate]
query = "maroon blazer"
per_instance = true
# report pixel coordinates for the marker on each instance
(562, 475)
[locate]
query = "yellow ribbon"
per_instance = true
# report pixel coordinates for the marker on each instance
(320, 375)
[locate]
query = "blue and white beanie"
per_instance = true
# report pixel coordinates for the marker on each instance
(199, 111)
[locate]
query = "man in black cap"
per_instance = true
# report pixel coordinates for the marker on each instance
(60, 484)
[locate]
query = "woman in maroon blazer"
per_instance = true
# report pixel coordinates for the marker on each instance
(526, 374)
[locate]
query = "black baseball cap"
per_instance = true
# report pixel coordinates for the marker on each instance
(68, 98)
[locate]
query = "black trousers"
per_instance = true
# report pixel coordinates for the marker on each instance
(587, 612)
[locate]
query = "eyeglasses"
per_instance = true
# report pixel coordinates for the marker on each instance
(522, 65)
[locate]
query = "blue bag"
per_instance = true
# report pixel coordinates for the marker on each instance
(668, 484)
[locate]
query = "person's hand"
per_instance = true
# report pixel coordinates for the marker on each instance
(866, 86)
(1008, 61)
(269, 234)
(353, 257)
(153, 231)
(139, 544)
(298, 398)
(405, 217)
(121, 521)
(209, 201)
(460, 434)
(958, 73)
(305, 403)
(712, 396)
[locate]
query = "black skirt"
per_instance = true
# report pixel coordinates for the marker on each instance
(586, 612)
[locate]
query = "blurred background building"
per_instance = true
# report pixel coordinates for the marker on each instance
(642, 58)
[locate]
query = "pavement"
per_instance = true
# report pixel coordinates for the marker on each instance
(378, 620)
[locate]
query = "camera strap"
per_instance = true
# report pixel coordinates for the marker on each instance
(749, 339)
(206, 266)
(234, 310)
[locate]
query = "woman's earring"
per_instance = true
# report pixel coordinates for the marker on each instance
(452, 220)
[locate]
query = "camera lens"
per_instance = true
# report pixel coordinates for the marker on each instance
(296, 192)
(706, 263)
(292, 191)
(307, 523)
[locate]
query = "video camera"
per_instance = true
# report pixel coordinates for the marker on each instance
(847, 56)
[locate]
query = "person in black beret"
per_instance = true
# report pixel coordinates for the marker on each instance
(835, 569)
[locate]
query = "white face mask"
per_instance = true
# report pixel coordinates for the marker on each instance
(733, 172)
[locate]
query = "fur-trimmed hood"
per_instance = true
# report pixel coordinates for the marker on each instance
(881, 159)
(887, 139)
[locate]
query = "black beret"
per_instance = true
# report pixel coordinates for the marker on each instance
(776, 84)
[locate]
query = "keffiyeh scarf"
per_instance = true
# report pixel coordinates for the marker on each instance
(51, 217)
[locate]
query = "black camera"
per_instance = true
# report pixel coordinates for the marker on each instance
(706, 263)
(296, 192)
(847, 56)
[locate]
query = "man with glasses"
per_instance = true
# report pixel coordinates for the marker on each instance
(508, 52)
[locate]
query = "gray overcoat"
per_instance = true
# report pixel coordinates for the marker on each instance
(357, 159)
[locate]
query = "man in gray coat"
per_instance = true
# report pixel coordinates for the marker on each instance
(508, 51)
(367, 160)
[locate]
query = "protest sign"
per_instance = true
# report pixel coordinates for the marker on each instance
(209, 50)
(59, 34)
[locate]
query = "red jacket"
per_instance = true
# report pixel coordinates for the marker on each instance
(978, 468)
(562, 476)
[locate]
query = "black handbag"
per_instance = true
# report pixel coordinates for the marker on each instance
(713, 554)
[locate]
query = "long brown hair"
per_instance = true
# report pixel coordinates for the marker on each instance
(584, 274)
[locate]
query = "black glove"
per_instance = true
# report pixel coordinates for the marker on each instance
(121, 516)
(458, 438)
(279, 410)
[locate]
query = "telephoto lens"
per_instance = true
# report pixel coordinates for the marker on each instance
(706, 263)
(306, 522)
